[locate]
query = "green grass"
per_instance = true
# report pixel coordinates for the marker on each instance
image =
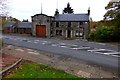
(33, 70)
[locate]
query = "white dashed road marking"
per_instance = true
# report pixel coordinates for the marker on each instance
(63, 46)
(28, 41)
(101, 43)
(54, 44)
(93, 50)
(43, 43)
(81, 48)
(36, 40)
(112, 53)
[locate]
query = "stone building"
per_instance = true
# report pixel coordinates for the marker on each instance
(61, 25)
(41, 25)
(71, 25)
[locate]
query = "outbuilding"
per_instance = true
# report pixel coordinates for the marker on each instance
(9, 27)
(24, 28)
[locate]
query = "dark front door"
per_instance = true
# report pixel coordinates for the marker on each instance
(69, 33)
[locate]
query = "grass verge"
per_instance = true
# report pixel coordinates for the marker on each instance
(33, 70)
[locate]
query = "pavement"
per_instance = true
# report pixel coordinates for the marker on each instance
(66, 63)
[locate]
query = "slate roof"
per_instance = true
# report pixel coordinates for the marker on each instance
(9, 24)
(72, 17)
(24, 25)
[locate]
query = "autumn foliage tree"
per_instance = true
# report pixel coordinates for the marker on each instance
(113, 14)
(110, 29)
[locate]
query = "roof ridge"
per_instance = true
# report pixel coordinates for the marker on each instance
(75, 14)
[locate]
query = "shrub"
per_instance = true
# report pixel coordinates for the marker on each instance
(103, 34)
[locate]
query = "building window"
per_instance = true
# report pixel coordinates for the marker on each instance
(79, 33)
(57, 24)
(51, 24)
(86, 22)
(59, 32)
(81, 23)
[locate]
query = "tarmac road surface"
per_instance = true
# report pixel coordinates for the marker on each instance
(98, 53)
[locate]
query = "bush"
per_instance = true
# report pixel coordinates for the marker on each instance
(103, 34)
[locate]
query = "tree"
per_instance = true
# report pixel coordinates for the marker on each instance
(56, 12)
(113, 9)
(68, 9)
(113, 14)
(3, 8)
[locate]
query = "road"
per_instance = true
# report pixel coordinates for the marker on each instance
(97, 53)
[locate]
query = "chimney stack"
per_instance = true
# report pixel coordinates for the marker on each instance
(89, 11)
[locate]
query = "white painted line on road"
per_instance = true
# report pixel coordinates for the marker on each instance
(74, 48)
(93, 50)
(72, 45)
(44, 41)
(36, 40)
(91, 42)
(81, 48)
(112, 53)
(19, 50)
(54, 45)
(29, 41)
(115, 55)
(33, 53)
(101, 43)
(63, 46)
(62, 43)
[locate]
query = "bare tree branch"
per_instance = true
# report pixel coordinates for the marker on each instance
(3, 8)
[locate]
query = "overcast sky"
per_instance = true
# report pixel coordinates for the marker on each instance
(24, 9)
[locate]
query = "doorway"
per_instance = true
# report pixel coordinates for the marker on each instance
(69, 33)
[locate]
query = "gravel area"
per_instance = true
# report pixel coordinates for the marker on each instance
(66, 63)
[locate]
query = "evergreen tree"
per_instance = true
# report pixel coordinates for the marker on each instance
(68, 9)
(56, 12)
